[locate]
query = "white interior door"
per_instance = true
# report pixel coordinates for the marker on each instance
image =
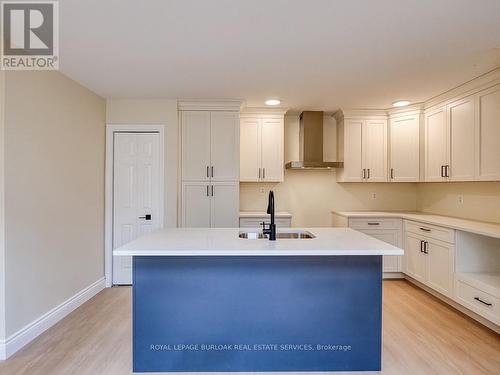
(136, 194)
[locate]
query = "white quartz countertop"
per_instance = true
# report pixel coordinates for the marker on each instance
(217, 242)
(471, 226)
(252, 214)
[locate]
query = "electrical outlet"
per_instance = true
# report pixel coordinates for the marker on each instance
(460, 199)
(374, 195)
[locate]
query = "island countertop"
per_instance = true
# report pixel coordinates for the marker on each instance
(225, 242)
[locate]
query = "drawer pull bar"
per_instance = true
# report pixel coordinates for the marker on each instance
(373, 223)
(480, 300)
(425, 229)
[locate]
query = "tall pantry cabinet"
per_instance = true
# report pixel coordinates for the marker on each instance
(209, 165)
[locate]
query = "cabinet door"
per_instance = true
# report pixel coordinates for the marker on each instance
(439, 259)
(488, 135)
(195, 145)
(414, 258)
(353, 155)
(461, 121)
(250, 150)
(224, 204)
(272, 138)
(436, 144)
(375, 150)
(390, 263)
(196, 204)
(224, 146)
(405, 149)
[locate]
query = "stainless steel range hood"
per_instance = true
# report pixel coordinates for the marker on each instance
(311, 144)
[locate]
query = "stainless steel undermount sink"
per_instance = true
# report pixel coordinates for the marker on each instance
(288, 235)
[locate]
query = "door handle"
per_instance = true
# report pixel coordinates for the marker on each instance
(212, 171)
(392, 173)
(208, 175)
(368, 173)
(426, 247)
(145, 217)
(364, 173)
(425, 229)
(421, 246)
(480, 300)
(373, 223)
(263, 173)
(447, 171)
(259, 173)
(442, 171)
(208, 194)
(212, 190)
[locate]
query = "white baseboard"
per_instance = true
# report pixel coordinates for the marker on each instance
(32, 330)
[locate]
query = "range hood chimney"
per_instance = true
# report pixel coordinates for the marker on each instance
(311, 144)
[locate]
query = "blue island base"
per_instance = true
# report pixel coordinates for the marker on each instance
(232, 313)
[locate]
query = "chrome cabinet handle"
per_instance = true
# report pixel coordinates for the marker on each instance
(483, 302)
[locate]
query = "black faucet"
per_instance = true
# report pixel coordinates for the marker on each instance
(271, 230)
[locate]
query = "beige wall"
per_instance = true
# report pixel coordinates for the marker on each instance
(54, 190)
(481, 200)
(311, 195)
(153, 111)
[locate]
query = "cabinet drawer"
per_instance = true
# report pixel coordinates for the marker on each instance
(431, 231)
(255, 222)
(478, 301)
(374, 223)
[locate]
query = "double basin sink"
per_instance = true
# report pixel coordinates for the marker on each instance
(280, 235)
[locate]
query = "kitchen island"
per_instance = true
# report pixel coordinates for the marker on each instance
(208, 300)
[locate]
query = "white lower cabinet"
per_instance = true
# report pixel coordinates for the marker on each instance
(210, 205)
(427, 259)
(387, 230)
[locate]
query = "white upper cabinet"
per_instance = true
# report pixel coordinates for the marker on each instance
(436, 145)
(195, 145)
(210, 146)
(353, 150)
(375, 155)
(488, 134)
(362, 147)
(224, 146)
(404, 148)
(272, 139)
(250, 149)
(262, 147)
(461, 138)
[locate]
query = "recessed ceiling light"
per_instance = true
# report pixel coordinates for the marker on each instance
(401, 103)
(273, 102)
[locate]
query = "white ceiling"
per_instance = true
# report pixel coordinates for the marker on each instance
(313, 54)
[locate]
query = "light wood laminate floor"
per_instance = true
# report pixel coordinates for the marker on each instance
(421, 336)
